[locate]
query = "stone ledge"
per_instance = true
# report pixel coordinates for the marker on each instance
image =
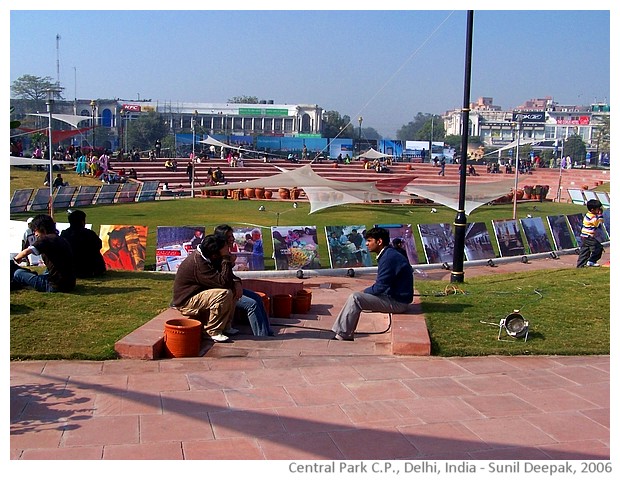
(409, 333)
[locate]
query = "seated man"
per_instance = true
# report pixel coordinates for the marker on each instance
(203, 287)
(248, 301)
(86, 246)
(392, 291)
(56, 253)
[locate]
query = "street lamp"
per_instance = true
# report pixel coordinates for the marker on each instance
(93, 107)
(519, 126)
(52, 92)
(359, 137)
(194, 149)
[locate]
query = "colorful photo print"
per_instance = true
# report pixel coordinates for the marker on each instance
(295, 248)
(575, 221)
(248, 249)
(478, 245)
(536, 235)
(347, 246)
(508, 235)
(124, 246)
(174, 244)
(438, 242)
(403, 235)
(561, 232)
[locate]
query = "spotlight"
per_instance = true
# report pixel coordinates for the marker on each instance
(515, 325)
(529, 215)
(300, 274)
(524, 259)
(261, 208)
(350, 273)
(445, 266)
(295, 205)
(491, 263)
(554, 255)
(433, 210)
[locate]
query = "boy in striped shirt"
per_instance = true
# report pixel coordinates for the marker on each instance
(591, 249)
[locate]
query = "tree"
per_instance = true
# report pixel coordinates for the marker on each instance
(411, 130)
(370, 133)
(336, 126)
(144, 131)
(432, 128)
(243, 99)
(575, 147)
(31, 87)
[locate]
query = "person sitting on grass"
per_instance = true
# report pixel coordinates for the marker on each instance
(56, 253)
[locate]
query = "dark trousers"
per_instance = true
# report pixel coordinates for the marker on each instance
(591, 251)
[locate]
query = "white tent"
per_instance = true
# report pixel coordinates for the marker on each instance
(372, 154)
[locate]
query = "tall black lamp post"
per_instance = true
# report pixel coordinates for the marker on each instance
(359, 138)
(460, 222)
(93, 108)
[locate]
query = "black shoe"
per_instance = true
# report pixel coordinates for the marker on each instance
(342, 339)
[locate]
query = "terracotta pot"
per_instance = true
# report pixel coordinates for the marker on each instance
(282, 305)
(182, 337)
(268, 194)
(259, 192)
(294, 194)
(250, 193)
(302, 301)
(409, 167)
(284, 193)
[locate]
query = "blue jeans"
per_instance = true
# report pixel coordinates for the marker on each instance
(252, 304)
(40, 283)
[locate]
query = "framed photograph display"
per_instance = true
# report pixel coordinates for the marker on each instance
(248, 249)
(347, 247)
(508, 235)
(438, 242)
(536, 235)
(561, 234)
(174, 244)
(124, 246)
(478, 245)
(405, 233)
(295, 247)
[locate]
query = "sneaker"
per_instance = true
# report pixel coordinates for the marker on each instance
(219, 338)
(231, 331)
(342, 339)
(593, 264)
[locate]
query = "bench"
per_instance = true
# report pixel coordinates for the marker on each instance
(147, 341)
(409, 332)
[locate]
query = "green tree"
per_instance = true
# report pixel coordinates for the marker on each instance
(575, 147)
(31, 87)
(410, 131)
(243, 99)
(144, 131)
(370, 133)
(601, 135)
(336, 126)
(432, 127)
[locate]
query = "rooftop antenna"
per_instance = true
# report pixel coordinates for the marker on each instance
(58, 60)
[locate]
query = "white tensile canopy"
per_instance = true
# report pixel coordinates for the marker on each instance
(73, 120)
(25, 161)
(324, 193)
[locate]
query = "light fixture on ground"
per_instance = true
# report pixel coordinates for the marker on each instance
(262, 208)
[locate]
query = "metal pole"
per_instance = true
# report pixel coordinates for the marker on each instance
(50, 104)
(193, 152)
(514, 197)
(460, 221)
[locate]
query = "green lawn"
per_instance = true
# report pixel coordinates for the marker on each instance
(568, 310)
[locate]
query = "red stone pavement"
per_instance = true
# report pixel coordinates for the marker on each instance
(301, 396)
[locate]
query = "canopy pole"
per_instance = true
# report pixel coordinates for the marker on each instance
(460, 222)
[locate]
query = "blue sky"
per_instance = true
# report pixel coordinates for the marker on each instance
(383, 65)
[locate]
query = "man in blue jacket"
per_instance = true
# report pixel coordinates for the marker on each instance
(392, 291)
